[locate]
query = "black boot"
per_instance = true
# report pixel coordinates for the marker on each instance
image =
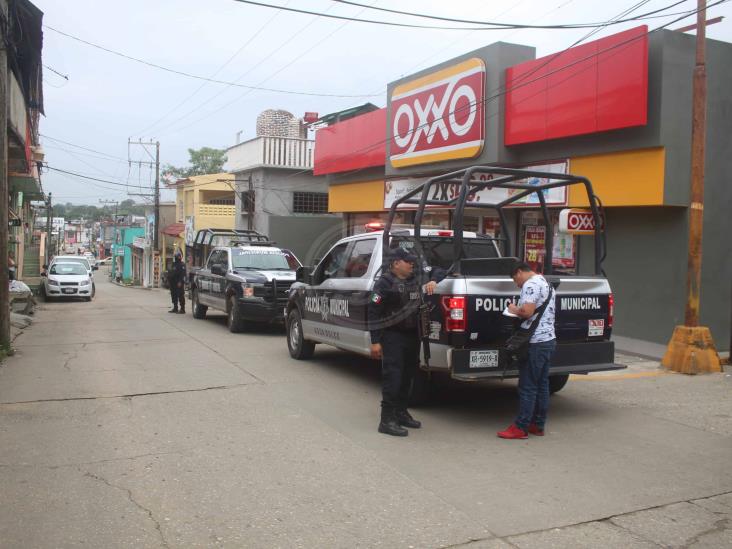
(182, 311)
(405, 419)
(389, 424)
(173, 310)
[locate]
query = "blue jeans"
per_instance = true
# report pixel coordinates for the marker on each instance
(534, 385)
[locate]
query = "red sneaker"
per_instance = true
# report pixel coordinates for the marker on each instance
(534, 429)
(513, 432)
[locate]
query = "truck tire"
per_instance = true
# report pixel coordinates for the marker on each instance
(199, 311)
(233, 316)
(556, 383)
(422, 388)
(299, 347)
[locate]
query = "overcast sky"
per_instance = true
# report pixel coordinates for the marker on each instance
(108, 99)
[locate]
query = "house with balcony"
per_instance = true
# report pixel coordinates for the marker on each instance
(24, 106)
(201, 201)
(276, 191)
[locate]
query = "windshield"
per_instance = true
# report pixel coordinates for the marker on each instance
(439, 251)
(68, 269)
(266, 260)
(80, 260)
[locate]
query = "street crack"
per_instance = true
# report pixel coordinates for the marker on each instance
(132, 500)
(130, 396)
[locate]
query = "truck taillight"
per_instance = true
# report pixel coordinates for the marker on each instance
(610, 310)
(455, 313)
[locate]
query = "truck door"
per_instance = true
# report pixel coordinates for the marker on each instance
(203, 279)
(218, 280)
(318, 319)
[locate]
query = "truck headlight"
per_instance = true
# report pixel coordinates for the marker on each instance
(247, 291)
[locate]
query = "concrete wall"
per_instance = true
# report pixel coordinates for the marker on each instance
(308, 237)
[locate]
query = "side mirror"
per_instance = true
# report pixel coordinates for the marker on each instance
(303, 274)
(218, 269)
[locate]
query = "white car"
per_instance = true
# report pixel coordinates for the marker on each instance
(77, 259)
(68, 280)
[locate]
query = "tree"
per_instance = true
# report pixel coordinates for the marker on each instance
(201, 162)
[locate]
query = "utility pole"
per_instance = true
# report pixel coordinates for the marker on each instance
(49, 228)
(691, 349)
(4, 278)
(156, 236)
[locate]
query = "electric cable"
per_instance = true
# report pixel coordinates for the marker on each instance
(83, 148)
(217, 71)
(196, 76)
(506, 25)
(220, 92)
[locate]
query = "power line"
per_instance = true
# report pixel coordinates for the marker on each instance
(220, 92)
(83, 148)
(75, 174)
(291, 62)
(196, 76)
(204, 84)
(505, 25)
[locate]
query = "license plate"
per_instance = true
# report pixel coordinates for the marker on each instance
(484, 359)
(69, 290)
(596, 327)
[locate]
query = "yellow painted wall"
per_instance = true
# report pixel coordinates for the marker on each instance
(194, 189)
(629, 178)
(363, 196)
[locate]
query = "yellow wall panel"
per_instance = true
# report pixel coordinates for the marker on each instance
(629, 178)
(363, 196)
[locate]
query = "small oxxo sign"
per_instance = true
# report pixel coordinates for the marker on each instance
(578, 221)
(439, 116)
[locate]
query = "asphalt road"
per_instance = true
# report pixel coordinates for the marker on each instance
(124, 426)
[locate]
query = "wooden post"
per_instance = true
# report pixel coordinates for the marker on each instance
(4, 278)
(691, 349)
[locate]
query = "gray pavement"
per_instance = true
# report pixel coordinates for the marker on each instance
(125, 426)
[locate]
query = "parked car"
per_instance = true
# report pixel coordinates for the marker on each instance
(104, 262)
(67, 279)
(77, 259)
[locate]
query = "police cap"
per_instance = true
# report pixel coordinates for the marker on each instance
(404, 255)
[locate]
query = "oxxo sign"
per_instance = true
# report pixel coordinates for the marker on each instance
(438, 116)
(576, 221)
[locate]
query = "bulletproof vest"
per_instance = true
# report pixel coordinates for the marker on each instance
(402, 301)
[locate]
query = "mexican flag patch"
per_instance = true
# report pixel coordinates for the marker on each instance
(375, 298)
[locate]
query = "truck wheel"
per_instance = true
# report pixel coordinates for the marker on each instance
(199, 311)
(299, 347)
(233, 319)
(422, 388)
(556, 383)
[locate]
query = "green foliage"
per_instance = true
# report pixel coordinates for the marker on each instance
(201, 162)
(93, 213)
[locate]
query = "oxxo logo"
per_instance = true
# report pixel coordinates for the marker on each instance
(439, 116)
(576, 221)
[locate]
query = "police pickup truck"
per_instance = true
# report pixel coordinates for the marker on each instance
(466, 326)
(249, 282)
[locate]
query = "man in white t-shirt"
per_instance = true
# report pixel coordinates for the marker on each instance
(534, 373)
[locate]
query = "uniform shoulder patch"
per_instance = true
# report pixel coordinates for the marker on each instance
(376, 298)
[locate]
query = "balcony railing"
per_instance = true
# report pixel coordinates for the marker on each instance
(272, 152)
(216, 210)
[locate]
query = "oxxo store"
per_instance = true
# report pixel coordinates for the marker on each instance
(616, 110)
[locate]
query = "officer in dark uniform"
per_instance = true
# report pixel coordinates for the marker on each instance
(176, 281)
(393, 319)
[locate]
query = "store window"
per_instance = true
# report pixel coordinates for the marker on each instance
(532, 239)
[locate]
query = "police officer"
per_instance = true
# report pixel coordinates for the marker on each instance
(393, 319)
(176, 281)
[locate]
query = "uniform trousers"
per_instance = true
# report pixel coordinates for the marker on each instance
(400, 359)
(178, 295)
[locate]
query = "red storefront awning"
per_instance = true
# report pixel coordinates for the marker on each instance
(175, 229)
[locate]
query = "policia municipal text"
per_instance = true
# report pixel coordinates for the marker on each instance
(392, 314)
